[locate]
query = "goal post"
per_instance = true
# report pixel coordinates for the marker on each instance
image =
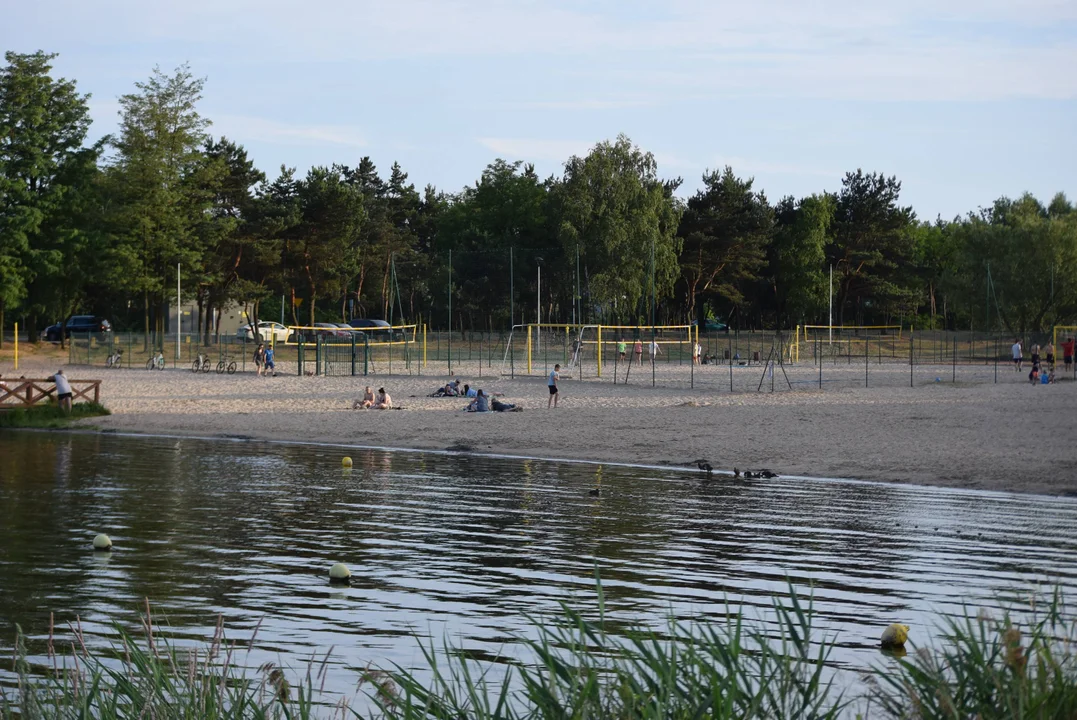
(1063, 332)
(603, 341)
(808, 334)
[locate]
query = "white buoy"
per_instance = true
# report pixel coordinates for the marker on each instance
(339, 573)
(346, 461)
(102, 542)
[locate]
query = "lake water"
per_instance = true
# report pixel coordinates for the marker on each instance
(462, 547)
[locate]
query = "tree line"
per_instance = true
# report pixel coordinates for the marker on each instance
(100, 228)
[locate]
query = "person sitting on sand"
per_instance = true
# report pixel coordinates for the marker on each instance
(366, 401)
(481, 403)
(470, 391)
(1034, 373)
(383, 401)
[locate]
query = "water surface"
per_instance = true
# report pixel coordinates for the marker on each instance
(463, 547)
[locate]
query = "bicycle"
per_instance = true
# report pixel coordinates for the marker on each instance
(201, 363)
(157, 362)
(227, 364)
(115, 359)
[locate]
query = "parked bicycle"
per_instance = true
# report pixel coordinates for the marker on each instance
(157, 362)
(200, 363)
(226, 364)
(115, 359)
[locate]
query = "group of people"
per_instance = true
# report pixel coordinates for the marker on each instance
(370, 401)
(481, 401)
(263, 360)
(1042, 371)
(637, 350)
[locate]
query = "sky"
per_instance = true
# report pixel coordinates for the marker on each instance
(963, 100)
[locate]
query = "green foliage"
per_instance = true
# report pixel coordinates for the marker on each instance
(871, 240)
(46, 183)
(991, 669)
(726, 229)
(797, 257)
(624, 219)
(50, 415)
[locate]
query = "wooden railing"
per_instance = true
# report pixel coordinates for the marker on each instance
(26, 392)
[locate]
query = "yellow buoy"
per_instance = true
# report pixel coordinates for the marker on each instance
(339, 573)
(346, 462)
(102, 542)
(894, 636)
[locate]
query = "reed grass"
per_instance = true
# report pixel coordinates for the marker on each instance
(579, 666)
(50, 415)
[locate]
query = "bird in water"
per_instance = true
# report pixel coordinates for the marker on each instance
(593, 493)
(736, 472)
(767, 473)
(705, 466)
(894, 636)
(752, 474)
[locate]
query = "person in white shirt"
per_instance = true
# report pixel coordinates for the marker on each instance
(63, 390)
(696, 351)
(1016, 355)
(555, 375)
(655, 351)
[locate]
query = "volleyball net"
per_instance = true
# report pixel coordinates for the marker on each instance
(827, 339)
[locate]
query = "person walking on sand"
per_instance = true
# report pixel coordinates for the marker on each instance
(1016, 350)
(270, 366)
(555, 393)
(63, 390)
(260, 358)
(637, 348)
(655, 351)
(622, 348)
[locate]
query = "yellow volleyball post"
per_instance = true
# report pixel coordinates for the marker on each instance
(528, 349)
(16, 346)
(599, 353)
(424, 344)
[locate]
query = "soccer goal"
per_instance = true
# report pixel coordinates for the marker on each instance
(1061, 334)
(605, 348)
(842, 335)
(538, 346)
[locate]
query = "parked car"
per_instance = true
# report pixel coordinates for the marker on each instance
(376, 330)
(266, 331)
(77, 324)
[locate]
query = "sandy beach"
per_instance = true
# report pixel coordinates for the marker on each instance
(1008, 436)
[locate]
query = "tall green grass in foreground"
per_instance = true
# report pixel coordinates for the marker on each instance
(578, 668)
(50, 415)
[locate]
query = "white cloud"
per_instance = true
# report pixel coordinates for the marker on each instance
(536, 148)
(270, 131)
(751, 166)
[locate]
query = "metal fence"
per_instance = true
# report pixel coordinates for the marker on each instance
(734, 361)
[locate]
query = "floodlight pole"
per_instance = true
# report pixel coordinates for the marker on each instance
(830, 318)
(179, 312)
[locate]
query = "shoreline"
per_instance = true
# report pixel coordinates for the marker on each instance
(1007, 437)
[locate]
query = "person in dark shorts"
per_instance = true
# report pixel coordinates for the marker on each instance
(622, 349)
(1067, 353)
(1049, 356)
(63, 390)
(270, 366)
(555, 375)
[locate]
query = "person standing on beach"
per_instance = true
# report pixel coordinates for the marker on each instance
(63, 390)
(696, 352)
(655, 351)
(1049, 356)
(270, 365)
(637, 348)
(555, 375)
(1067, 353)
(1016, 350)
(260, 358)
(622, 350)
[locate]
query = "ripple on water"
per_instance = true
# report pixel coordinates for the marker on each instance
(465, 546)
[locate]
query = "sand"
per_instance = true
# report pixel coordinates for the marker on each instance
(1008, 436)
